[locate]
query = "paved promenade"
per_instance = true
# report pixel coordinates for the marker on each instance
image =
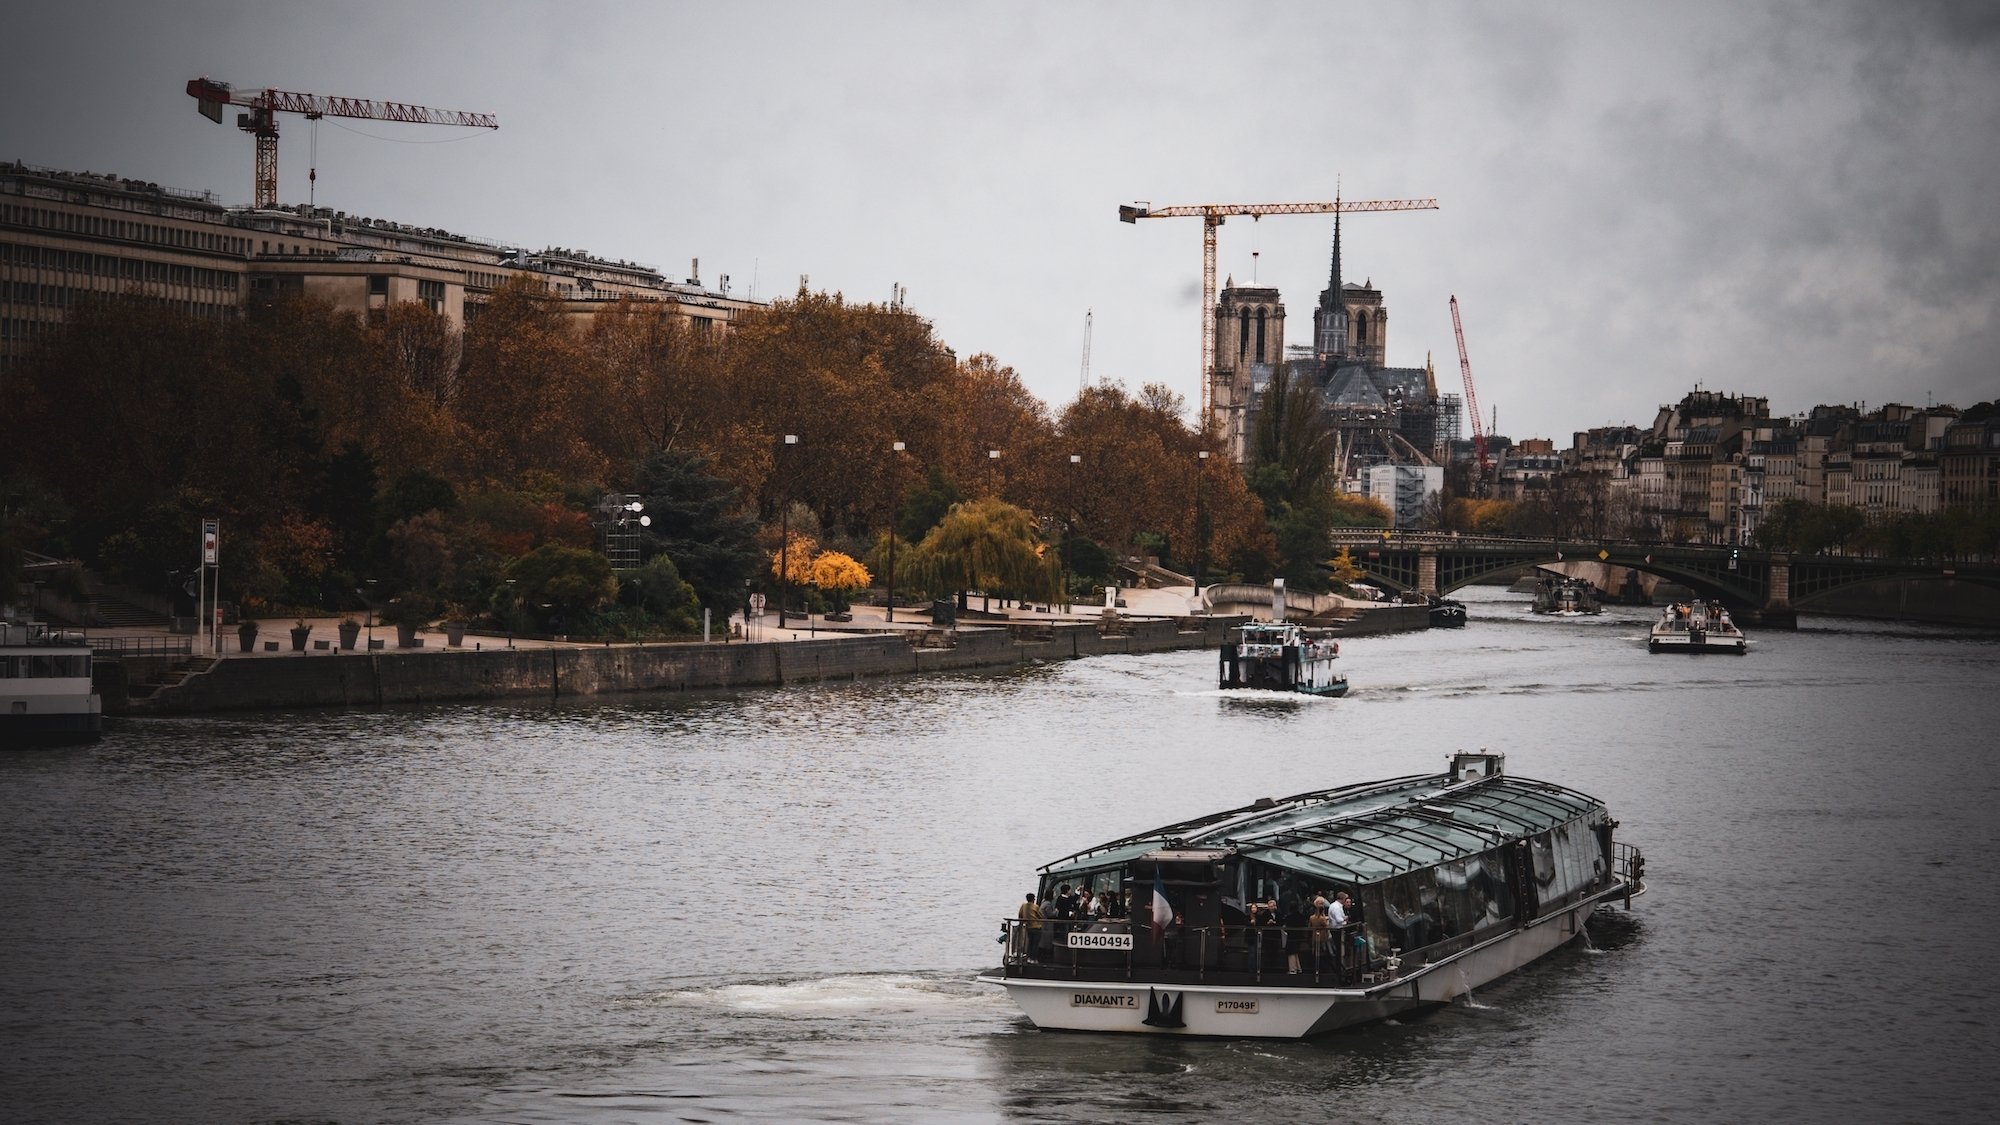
(1173, 602)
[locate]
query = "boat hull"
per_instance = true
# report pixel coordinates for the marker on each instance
(1728, 646)
(1287, 1012)
(60, 728)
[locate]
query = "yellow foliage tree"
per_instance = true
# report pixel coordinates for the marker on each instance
(1345, 571)
(793, 565)
(834, 570)
(838, 575)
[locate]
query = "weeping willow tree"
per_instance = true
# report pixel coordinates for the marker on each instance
(987, 545)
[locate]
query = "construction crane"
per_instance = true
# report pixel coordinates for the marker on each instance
(265, 105)
(1083, 380)
(1471, 396)
(1211, 215)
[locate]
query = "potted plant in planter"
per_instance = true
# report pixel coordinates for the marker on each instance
(454, 624)
(300, 631)
(407, 613)
(350, 632)
(246, 635)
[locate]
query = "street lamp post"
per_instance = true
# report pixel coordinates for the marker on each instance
(784, 530)
(1069, 525)
(1200, 529)
(895, 503)
(992, 467)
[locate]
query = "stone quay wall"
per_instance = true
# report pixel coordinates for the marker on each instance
(349, 679)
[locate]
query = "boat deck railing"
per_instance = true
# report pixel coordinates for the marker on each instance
(1059, 948)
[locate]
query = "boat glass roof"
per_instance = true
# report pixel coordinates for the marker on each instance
(1363, 833)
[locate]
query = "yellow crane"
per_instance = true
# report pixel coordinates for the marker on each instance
(1211, 215)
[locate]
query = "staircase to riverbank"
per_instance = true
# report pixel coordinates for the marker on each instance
(168, 678)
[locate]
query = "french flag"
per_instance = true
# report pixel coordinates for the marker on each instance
(1163, 913)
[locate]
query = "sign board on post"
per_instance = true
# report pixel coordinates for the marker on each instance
(209, 535)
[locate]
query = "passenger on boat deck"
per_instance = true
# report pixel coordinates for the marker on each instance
(1030, 917)
(1322, 943)
(1295, 933)
(1336, 911)
(1065, 902)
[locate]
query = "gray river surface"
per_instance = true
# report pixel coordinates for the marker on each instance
(769, 906)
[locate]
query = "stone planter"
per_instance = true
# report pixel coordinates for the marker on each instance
(350, 632)
(406, 636)
(454, 633)
(246, 636)
(299, 635)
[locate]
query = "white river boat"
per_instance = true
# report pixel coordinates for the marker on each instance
(1455, 879)
(45, 690)
(1696, 627)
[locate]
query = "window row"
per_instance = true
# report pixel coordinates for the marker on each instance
(96, 226)
(43, 666)
(126, 269)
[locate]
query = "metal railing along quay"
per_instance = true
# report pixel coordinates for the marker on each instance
(142, 646)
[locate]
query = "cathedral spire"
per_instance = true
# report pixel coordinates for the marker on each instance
(1333, 280)
(1330, 319)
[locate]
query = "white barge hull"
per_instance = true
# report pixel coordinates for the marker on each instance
(1285, 1012)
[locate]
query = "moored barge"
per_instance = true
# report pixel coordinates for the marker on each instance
(1455, 879)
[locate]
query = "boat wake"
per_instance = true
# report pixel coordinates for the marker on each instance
(842, 996)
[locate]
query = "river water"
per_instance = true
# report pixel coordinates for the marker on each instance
(769, 906)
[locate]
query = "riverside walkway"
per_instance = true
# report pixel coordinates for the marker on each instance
(135, 676)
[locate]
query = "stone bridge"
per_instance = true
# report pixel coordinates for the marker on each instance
(1759, 587)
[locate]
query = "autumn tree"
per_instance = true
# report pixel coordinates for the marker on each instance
(987, 545)
(528, 397)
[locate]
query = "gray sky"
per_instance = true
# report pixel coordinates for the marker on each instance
(1789, 199)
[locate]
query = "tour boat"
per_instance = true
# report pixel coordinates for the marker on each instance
(1279, 656)
(1566, 597)
(45, 693)
(1696, 627)
(1456, 879)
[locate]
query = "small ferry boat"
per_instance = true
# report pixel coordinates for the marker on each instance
(45, 692)
(1696, 627)
(1566, 597)
(1279, 656)
(1455, 879)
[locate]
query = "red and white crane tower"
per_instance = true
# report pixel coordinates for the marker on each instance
(265, 105)
(1211, 215)
(1471, 396)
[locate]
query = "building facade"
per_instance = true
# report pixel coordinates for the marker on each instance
(66, 237)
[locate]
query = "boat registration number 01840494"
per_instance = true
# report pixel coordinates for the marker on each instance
(1100, 941)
